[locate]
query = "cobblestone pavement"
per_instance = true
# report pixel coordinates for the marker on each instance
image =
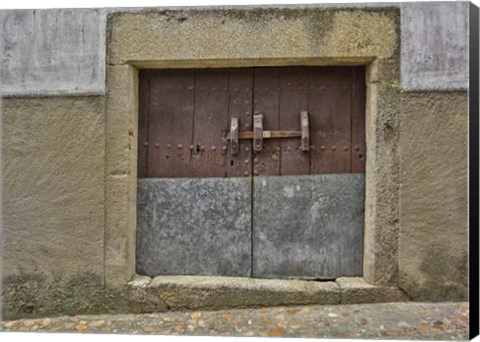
(440, 321)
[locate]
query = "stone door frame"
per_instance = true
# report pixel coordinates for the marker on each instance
(249, 37)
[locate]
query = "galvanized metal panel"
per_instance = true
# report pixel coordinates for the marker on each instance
(194, 226)
(308, 226)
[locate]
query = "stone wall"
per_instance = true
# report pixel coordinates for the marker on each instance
(57, 159)
(433, 241)
(53, 197)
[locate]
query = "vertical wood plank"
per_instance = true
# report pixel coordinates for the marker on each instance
(358, 121)
(143, 113)
(175, 113)
(266, 100)
(293, 100)
(240, 84)
(210, 123)
(170, 123)
(330, 118)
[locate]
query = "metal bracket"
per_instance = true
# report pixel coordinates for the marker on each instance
(233, 136)
(258, 132)
(305, 142)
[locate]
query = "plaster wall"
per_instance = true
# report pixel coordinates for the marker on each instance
(435, 45)
(41, 48)
(59, 51)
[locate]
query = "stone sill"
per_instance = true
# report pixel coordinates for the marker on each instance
(211, 293)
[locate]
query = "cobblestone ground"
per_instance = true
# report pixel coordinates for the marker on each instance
(440, 321)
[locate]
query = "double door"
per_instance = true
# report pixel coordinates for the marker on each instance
(253, 172)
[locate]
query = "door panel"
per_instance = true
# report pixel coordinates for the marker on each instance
(267, 100)
(308, 226)
(210, 123)
(144, 110)
(293, 100)
(240, 84)
(194, 226)
(358, 121)
(330, 116)
(170, 129)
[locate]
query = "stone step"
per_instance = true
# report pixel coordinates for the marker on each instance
(202, 292)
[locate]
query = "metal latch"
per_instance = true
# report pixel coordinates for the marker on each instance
(258, 134)
(305, 142)
(234, 136)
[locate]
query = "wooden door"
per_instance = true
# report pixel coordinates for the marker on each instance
(276, 213)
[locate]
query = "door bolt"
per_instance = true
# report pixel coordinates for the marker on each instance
(247, 149)
(246, 173)
(256, 172)
(246, 161)
(214, 148)
(224, 148)
(145, 144)
(322, 148)
(157, 145)
(312, 147)
(180, 146)
(357, 148)
(168, 145)
(345, 148)
(334, 148)
(190, 147)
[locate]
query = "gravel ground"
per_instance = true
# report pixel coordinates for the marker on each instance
(433, 321)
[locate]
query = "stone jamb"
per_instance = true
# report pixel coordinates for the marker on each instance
(382, 112)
